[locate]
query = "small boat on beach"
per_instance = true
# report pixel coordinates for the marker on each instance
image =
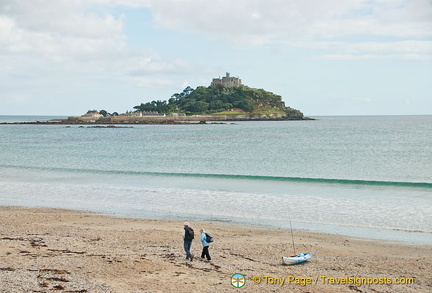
(296, 259)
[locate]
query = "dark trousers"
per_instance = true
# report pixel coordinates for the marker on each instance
(205, 253)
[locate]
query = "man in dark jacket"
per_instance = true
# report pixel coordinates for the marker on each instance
(188, 236)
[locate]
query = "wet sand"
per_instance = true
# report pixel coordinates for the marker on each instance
(53, 250)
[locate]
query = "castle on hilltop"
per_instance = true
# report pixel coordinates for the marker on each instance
(227, 81)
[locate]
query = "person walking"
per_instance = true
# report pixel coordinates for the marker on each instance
(188, 236)
(205, 244)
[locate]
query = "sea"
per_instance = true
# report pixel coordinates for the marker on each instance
(361, 176)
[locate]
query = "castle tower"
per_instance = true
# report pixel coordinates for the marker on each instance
(227, 81)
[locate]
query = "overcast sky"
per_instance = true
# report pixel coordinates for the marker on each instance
(324, 57)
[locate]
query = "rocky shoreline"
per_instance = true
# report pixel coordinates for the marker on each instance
(107, 125)
(170, 121)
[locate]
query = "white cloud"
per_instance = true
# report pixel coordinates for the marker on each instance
(372, 50)
(116, 3)
(68, 18)
(58, 30)
(398, 29)
(83, 36)
(10, 36)
(156, 65)
(260, 22)
(89, 30)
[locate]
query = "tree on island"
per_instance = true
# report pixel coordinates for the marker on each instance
(218, 98)
(106, 114)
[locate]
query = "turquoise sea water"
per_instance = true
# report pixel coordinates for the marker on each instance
(359, 176)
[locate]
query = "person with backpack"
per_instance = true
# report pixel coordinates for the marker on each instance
(205, 239)
(188, 236)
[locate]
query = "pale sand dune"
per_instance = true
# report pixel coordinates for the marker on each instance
(49, 250)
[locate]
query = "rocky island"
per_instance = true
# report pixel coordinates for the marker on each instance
(226, 99)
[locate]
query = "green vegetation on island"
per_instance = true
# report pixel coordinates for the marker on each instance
(222, 100)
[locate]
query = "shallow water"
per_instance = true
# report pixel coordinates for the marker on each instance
(359, 176)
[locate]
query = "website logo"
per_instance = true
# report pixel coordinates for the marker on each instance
(238, 280)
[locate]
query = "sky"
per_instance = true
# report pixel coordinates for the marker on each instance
(323, 57)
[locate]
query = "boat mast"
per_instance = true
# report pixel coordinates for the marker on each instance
(292, 235)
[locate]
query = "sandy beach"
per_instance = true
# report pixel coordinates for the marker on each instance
(52, 250)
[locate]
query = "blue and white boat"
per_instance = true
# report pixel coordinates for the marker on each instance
(296, 259)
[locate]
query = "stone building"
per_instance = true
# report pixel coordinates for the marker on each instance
(227, 81)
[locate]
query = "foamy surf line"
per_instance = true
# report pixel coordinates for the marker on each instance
(233, 176)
